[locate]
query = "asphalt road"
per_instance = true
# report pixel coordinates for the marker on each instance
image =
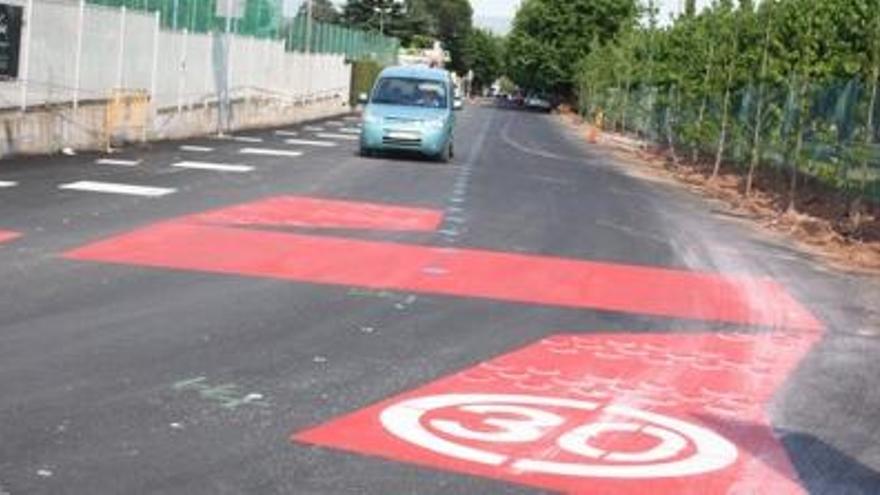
(148, 347)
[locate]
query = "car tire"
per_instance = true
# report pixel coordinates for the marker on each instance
(446, 154)
(366, 153)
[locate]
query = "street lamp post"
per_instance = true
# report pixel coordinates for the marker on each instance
(309, 16)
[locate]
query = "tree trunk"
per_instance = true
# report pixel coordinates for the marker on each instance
(723, 137)
(799, 146)
(756, 143)
(617, 114)
(759, 114)
(695, 152)
(670, 139)
(855, 207)
(626, 101)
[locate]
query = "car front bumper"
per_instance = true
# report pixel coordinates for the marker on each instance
(426, 140)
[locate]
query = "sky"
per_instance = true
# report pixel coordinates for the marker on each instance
(497, 14)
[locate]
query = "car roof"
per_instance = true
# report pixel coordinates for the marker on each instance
(416, 72)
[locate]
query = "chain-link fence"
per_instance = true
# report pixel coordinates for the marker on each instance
(828, 132)
(264, 19)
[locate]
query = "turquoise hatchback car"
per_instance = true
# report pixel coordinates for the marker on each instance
(410, 109)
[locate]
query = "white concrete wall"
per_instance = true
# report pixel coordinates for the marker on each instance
(76, 55)
(71, 54)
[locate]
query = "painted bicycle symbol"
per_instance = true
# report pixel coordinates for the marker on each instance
(481, 428)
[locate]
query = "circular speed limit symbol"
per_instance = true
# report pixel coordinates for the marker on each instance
(493, 430)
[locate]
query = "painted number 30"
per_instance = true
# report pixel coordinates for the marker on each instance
(522, 419)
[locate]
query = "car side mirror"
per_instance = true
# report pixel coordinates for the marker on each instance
(363, 98)
(457, 104)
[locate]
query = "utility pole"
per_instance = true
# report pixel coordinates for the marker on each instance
(309, 15)
(224, 110)
(309, 19)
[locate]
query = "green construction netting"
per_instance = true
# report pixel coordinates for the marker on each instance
(263, 19)
(831, 132)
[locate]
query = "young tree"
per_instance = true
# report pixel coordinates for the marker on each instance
(727, 51)
(766, 19)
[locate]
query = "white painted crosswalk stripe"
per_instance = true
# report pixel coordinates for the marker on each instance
(196, 149)
(119, 162)
(307, 142)
(269, 152)
(344, 137)
(217, 167)
(314, 128)
(350, 130)
(247, 139)
(352, 118)
(8, 183)
(287, 133)
(335, 124)
(111, 188)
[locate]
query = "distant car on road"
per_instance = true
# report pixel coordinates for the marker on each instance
(539, 102)
(411, 108)
(516, 99)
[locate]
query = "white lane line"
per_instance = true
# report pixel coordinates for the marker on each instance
(122, 163)
(287, 133)
(8, 183)
(335, 123)
(217, 167)
(246, 139)
(313, 128)
(344, 137)
(111, 188)
(307, 142)
(196, 149)
(269, 152)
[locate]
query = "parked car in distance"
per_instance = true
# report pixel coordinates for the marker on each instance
(539, 102)
(411, 108)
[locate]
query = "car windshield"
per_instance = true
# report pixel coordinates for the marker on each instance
(411, 93)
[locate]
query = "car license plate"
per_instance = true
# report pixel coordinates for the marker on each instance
(403, 135)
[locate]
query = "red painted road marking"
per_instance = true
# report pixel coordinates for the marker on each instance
(6, 236)
(291, 211)
(597, 414)
(468, 273)
(610, 414)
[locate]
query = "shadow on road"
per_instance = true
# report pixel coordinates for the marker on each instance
(824, 470)
(821, 468)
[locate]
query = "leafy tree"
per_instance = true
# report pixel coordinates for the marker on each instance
(550, 37)
(486, 56)
(455, 21)
(322, 11)
(419, 27)
(386, 16)
(795, 83)
(415, 22)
